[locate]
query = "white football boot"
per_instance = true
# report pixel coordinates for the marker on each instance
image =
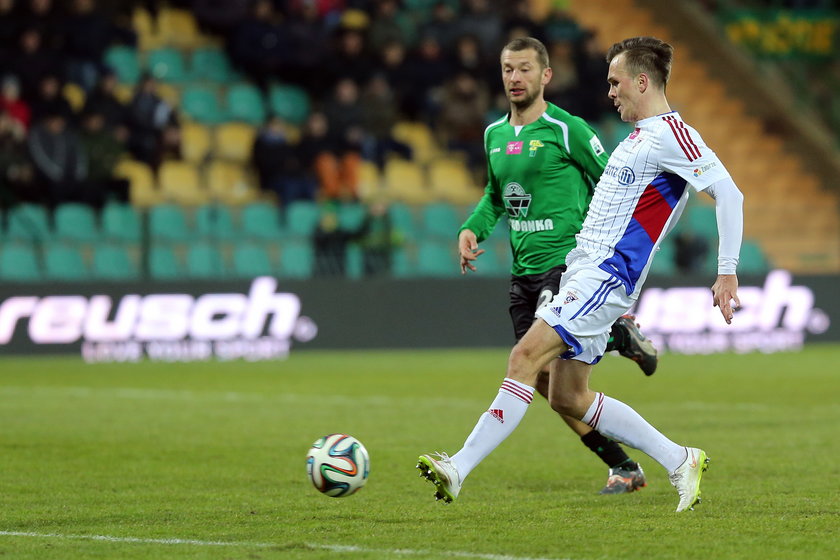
(442, 473)
(686, 479)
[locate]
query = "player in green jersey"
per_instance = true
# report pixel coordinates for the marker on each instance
(543, 164)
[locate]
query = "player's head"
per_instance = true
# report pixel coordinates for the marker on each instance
(639, 71)
(525, 71)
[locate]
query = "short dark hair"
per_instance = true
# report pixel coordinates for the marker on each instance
(645, 54)
(525, 43)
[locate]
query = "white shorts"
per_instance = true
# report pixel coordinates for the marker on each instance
(584, 310)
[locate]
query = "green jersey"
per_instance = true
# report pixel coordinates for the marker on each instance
(541, 177)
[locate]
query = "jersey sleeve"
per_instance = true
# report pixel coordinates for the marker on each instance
(685, 154)
(586, 150)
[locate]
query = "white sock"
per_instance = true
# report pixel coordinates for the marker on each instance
(618, 421)
(494, 425)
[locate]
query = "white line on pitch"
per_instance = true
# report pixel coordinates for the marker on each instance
(311, 546)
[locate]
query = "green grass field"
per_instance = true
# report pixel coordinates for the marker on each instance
(207, 460)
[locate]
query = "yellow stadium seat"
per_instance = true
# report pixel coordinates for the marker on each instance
(146, 29)
(179, 183)
(419, 136)
(169, 93)
(405, 182)
(124, 93)
(370, 180)
(142, 189)
(451, 181)
(74, 95)
(234, 141)
(195, 142)
(229, 183)
(178, 28)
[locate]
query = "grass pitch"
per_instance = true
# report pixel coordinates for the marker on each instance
(207, 460)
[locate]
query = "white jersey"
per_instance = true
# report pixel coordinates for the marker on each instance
(641, 195)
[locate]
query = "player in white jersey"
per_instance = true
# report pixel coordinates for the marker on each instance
(637, 201)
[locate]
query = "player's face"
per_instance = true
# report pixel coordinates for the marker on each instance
(624, 92)
(523, 78)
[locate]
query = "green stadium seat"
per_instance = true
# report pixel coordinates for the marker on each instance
(164, 263)
(167, 65)
(121, 222)
(211, 64)
(663, 262)
(251, 260)
(302, 217)
(201, 103)
(437, 258)
(441, 220)
(401, 265)
(701, 219)
(403, 219)
(214, 221)
(28, 222)
(495, 261)
(297, 259)
(351, 216)
(19, 263)
(752, 259)
(75, 222)
(245, 103)
(290, 103)
(63, 262)
(168, 222)
(261, 220)
(205, 261)
(123, 61)
(354, 264)
(114, 263)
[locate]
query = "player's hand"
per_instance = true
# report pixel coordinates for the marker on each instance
(468, 250)
(724, 292)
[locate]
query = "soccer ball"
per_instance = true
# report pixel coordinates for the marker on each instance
(338, 465)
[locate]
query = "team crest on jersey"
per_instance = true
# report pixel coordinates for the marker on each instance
(570, 297)
(514, 148)
(626, 176)
(533, 146)
(517, 201)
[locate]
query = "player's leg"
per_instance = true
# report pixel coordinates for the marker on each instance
(626, 337)
(530, 355)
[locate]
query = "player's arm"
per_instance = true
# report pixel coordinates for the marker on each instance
(586, 150)
(478, 227)
(729, 204)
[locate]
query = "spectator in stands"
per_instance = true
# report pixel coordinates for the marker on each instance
(344, 114)
(103, 99)
(593, 105)
(58, 160)
(104, 147)
(378, 239)
(334, 161)
(10, 102)
(563, 89)
(50, 101)
(396, 70)
(390, 23)
(154, 128)
(429, 69)
(518, 22)
(44, 16)
(461, 124)
(258, 46)
(281, 169)
(442, 25)
(330, 244)
(15, 168)
(309, 39)
(9, 30)
(480, 19)
(379, 115)
(350, 59)
(87, 34)
(32, 61)
(469, 58)
(220, 16)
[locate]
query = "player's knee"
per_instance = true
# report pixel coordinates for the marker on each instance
(568, 404)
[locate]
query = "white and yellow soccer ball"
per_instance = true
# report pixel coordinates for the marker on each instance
(338, 465)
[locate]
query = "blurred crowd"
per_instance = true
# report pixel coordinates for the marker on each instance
(365, 65)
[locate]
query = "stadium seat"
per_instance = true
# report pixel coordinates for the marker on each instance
(146, 28)
(211, 65)
(261, 220)
(297, 259)
(302, 218)
(205, 261)
(28, 222)
(401, 265)
(245, 103)
(351, 216)
(195, 142)
(251, 260)
(663, 263)
(169, 93)
(496, 260)
(228, 183)
(420, 137)
(441, 220)
(752, 259)
(214, 221)
(75, 96)
(121, 222)
(75, 222)
(370, 180)
(354, 264)
(63, 262)
(403, 219)
(234, 141)
(19, 263)
(114, 263)
(124, 62)
(179, 182)
(405, 182)
(290, 103)
(178, 28)
(437, 258)
(701, 220)
(451, 181)
(201, 103)
(164, 263)
(168, 222)
(166, 64)
(142, 190)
